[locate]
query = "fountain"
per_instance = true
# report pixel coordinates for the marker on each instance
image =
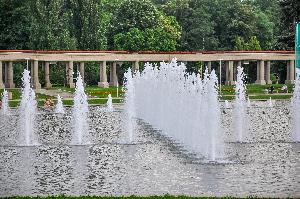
(248, 103)
(5, 105)
(27, 112)
(226, 104)
(295, 107)
(270, 103)
(109, 106)
(240, 121)
(80, 114)
(183, 106)
(176, 147)
(129, 104)
(59, 108)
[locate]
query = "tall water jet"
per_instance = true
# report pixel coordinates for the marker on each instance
(27, 111)
(109, 106)
(295, 107)
(214, 119)
(129, 104)
(248, 103)
(240, 121)
(270, 103)
(5, 106)
(80, 114)
(59, 108)
(226, 104)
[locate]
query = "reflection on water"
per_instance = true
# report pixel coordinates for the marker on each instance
(264, 166)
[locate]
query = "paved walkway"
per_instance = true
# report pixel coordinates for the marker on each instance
(264, 94)
(54, 93)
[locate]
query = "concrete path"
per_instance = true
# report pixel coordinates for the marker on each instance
(64, 94)
(54, 93)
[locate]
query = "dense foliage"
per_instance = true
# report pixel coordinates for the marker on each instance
(158, 25)
(148, 25)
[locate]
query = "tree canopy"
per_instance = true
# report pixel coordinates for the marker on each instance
(156, 25)
(147, 25)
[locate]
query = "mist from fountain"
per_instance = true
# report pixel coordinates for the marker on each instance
(5, 105)
(27, 112)
(59, 108)
(109, 106)
(80, 113)
(270, 103)
(248, 103)
(183, 106)
(129, 104)
(240, 120)
(295, 107)
(226, 104)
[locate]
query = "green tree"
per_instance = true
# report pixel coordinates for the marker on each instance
(139, 25)
(157, 39)
(153, 39)
(51, 25)
(253, 44)
(290, 15)
(196, 21)
(139, 14)
(267, 13)
(233, 18)
(133, 40)
(265, 31)
(212, 24)
(14, 24)
(90, 24)
(239, 44)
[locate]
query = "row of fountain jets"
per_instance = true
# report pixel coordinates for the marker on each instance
(28, 110)
(183, 106)
(186, 107)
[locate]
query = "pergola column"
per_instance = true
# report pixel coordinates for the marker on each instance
(290, 72)
(47, 75)
(1, 79)
(69, 67)
(268, 72)
(5, 73)
(287, 73)
(103, 76)
(260, 73)
(229, 73)
(36, 82)
(10, 75)
(239, 63)
(135, 66)
(81, 70)
(209, 66)
(31, 72)
(226, 72)
(113, 75)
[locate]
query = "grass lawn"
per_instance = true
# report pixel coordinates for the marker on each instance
(255, 92)
(226, 90)
(16, 94)
(256, 89)
(260, 97)
(97, 91)
(92, 101)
